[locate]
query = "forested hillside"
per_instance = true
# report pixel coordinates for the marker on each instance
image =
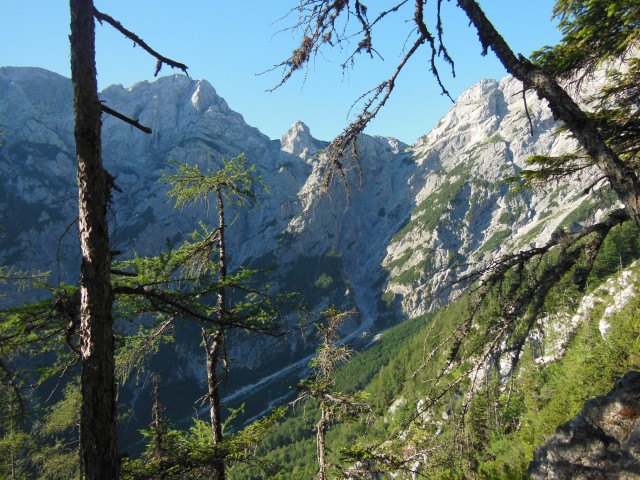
(490, 423)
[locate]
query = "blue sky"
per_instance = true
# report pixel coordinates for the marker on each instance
(230, 43)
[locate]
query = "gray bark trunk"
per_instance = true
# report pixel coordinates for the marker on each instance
(98, 415)
(213, 343)
(321, 444)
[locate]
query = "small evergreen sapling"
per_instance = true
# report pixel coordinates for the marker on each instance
(334, 406)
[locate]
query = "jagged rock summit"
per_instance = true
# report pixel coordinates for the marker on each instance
(298, 141)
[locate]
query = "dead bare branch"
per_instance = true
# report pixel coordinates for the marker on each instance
(162, 60)
(124, 118)
(319, 22)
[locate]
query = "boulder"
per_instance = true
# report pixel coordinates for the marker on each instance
(601, 442)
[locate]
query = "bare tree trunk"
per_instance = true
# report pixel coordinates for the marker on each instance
(321, 444)
(213, 343)
(622, 177)
(98, 415)
(222, 255)
(156, 419)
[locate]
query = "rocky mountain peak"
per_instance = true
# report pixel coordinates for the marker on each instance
(171, 91)
(299, 142)
(204, 96)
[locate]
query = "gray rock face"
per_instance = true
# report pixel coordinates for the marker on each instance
(465, 212)
(601, 442)
(416, 217)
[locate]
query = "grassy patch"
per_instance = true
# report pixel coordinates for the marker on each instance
(415, 272)
(530, 235)
(495, 240)
(430, 212)
(401, 260)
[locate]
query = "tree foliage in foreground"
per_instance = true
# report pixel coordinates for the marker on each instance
(607, 136)
(334, 406)
(599, 35)
(487, 427)
(40, 346)
(508, 298)
(191, 453)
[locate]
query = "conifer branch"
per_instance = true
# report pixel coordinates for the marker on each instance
(169, 303)
(10, 380)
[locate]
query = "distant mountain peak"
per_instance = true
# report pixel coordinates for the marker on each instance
(298, 141)
(204, 96)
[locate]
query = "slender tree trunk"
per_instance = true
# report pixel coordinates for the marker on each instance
(622, 177)
(321, 444)
(14, 464)
(222, 255)
(213, 343)
(98, 415)
(156, 418)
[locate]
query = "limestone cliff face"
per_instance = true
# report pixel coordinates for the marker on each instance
(415, 218)
(601, 442)
(465, 212)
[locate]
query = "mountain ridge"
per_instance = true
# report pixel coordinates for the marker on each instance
(425, 214)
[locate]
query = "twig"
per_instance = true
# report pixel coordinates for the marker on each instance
(526, 108)
(123, 273)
